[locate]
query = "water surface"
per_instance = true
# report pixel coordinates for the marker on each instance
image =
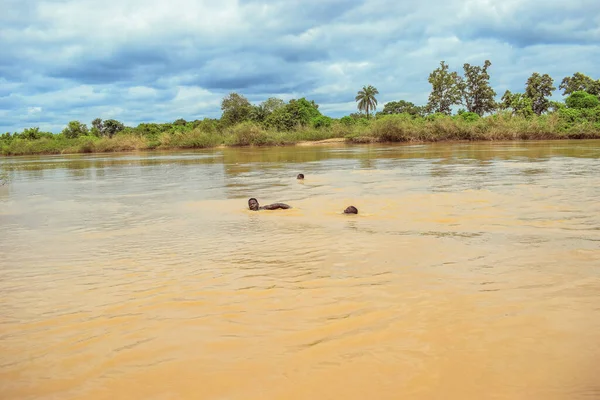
(471, 272)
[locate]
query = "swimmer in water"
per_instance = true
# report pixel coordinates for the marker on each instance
(254, 206)
(300, 176)
(351, 210)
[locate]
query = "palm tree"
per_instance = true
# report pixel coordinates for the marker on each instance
(366, 99)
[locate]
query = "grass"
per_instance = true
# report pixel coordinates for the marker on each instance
(392, 128)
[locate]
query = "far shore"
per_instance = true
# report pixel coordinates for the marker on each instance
(304, 143)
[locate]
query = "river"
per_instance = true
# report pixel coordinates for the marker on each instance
(472, 271)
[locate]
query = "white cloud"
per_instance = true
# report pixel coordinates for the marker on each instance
(150, 60)
(34, 110)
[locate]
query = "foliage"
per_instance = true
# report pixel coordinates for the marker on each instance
(477, 94)
(74, 130)
(366, 99)
(259, 113)
(108, 128)
(292, 115)
(272, 104)
(538, 88)
(402, 107)
(580, 82)
(112, 127)
(236, 108)
(520, 104)
(581, 99)
(580, 115)
(31, 134)
(556, 105)
(468, 116)
(322, 121)
(446, 90)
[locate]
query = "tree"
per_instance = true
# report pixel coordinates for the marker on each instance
(366, 99)
(260, 112)
(75, 129)
(477, 93)
(581, 99)
(112, 127)
(296, 113)
(402, 107)
(538, 88)
(446, 90)
(109, 127)
(236, 108)
(580, 82)
(180, 122)
(519, 104)
(272, 104)
(97, 127)
(31, 133)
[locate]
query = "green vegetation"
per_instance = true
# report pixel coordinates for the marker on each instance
(366, 99)
(517, 116)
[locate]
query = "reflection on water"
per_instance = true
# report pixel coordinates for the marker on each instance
(470, 272)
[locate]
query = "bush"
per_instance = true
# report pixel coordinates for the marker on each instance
(580, 115)
(582, 99)
(469, 116)
(245, 134)
(321, 122)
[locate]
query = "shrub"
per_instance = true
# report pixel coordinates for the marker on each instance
(581, 99)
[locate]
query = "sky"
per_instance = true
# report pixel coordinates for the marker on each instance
(158, 60)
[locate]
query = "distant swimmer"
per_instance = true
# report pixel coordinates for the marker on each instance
(300, 176)
(351, 210)
(254, 206)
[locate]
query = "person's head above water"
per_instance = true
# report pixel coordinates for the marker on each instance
(351, 210)
(253, 204)
(300, 176)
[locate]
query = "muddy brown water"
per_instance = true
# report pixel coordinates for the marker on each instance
(472, 271)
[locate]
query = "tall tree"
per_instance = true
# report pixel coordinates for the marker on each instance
(477, 94)
(580, 83)
(366, 99)
(446, 90)
(236, 108)
(538, 89)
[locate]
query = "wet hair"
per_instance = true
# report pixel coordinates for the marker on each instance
(300, 176)
(351, 210)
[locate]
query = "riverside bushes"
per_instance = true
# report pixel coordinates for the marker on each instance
(566, 123)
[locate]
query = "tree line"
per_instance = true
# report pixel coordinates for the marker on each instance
(471, 91)
(474, 92)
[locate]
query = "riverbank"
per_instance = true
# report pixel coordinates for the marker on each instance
(390, 129)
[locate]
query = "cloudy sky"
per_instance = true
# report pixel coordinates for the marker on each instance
(159, 60)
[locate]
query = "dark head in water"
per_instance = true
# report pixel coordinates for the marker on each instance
(351, 210)
(253, 204)
(300, 176)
